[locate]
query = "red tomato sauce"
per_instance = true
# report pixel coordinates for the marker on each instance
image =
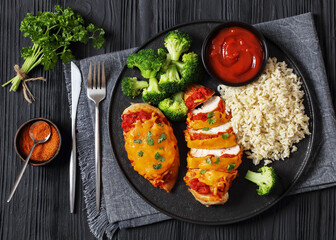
(235, 55)
(198, 96)
(198, 186)
(129, 119)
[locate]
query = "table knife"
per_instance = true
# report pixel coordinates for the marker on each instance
(76, 81)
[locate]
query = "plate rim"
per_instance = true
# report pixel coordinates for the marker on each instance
(307, 164)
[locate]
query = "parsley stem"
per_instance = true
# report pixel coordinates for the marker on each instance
(30, 63)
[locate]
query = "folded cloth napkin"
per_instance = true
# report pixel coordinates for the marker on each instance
(121, 207)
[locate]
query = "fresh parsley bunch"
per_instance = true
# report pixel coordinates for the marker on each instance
(52, 33)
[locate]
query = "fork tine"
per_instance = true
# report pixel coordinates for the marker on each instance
(94, 75)
(103, 76)
(90, 76)
(98, 79)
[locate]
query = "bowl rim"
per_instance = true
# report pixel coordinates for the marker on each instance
(247, 27)
(34, 162)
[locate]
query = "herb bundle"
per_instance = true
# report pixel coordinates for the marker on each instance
(51, 34)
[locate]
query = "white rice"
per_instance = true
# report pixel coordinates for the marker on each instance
(268, 115)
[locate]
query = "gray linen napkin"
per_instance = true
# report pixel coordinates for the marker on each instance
(121, 207)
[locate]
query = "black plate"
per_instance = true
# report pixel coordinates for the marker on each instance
(244, 201)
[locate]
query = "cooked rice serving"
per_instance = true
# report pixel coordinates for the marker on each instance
(268, 115)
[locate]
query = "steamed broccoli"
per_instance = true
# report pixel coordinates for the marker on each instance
(163, 53)
(170, 81)
(174, 108)
(147, 60)
(154, 93)
(189, 68)
(265, 178)
(177, 42)
(132, 87)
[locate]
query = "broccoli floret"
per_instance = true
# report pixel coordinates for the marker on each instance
(154, 93)
(177, 42)
(162, 52)
(265, 178)
(189, 68)
(132, 87)
(147, 60)
(170, 81)
(174, 108)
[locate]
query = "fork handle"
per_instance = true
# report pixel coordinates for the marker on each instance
(97, 157)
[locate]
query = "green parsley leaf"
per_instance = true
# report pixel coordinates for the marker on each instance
(231, 166)
(137, 141)
(52, 34)
(159, 157)
(217, 161)
(225, 135)
(161, 147)
(140, 153)
(208, 160)
(202, 171)
(211, 120)
(162, 138)
(157, 166)
(160, 124)
(205, 129)
(149, 139)
(210, 114)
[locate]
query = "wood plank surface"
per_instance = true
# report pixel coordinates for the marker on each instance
(40, 210)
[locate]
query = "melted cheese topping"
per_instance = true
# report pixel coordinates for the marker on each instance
(166, 148)
(214, 163)
(214, 179)
(212, 143)
(220, 117)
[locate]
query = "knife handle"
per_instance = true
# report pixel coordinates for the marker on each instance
(72, 169)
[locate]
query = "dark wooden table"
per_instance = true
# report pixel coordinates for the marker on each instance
(40, 209)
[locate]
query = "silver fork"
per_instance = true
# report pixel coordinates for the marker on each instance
(96, 91)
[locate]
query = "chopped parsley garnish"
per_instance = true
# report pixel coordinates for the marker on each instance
(140, 153)
(161, 147)
(159, 157)
(231, 166)
(225, 135)
(138, 134)
(160, 124)
(149, 139)
(208, 160)
(137, 141)
(202, 171)
(162, 137)
(217, 161)
(134, 115)
(205, 129)
(210, 114)
(157, 166)
(211, 120)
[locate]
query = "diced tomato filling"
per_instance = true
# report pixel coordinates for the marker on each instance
(198, 96)
(201, 136)
(198, 186)
(129, 119)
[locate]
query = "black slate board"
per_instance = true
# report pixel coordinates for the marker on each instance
(244, 202)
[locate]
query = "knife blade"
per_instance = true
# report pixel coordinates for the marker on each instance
(76, 81)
